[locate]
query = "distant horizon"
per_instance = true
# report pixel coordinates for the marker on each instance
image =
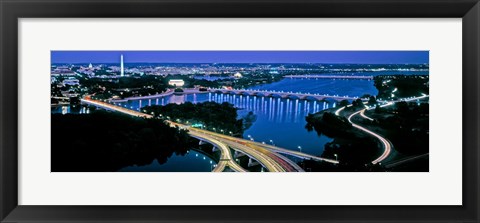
(242, 57)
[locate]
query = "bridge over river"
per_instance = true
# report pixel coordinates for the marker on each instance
(282, 94)
(357, 77)
(259, 93)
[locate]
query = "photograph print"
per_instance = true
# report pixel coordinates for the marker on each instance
(239, 111)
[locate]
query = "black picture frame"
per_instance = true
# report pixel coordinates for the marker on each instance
(12, 10)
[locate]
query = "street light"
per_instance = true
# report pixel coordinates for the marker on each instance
(300, 148)
(271, 141)
(336, 157)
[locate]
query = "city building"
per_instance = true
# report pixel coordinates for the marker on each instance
(176, 82)
(238, 75)
(62, 73)
(121, 66)
(71, 81)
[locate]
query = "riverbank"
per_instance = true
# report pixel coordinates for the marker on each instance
(348, 125)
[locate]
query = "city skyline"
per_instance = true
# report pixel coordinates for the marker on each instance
(325, 57)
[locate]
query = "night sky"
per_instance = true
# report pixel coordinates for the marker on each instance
(353, 57)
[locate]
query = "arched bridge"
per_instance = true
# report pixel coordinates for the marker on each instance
(282, 94)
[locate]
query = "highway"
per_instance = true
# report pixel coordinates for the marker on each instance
(296, 153)
(88, 100)
(226, 159)
(387, 145)
(272, 161)
(405, 160)
(362, 113)
(166, 93)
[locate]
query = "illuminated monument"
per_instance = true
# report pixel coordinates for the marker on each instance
(121, 65)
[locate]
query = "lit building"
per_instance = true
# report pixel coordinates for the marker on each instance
(71, 81)
(62, 73)
(90, 66)
(176, 82)
(238, 75)
(121, 65)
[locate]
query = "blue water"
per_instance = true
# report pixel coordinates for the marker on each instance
(342, 87)
(376, 73)
(279, 121)
(191, 162)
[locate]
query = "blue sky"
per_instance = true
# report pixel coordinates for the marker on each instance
(360, 57)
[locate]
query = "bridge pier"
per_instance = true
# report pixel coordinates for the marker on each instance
(252, 162)
(238, 154)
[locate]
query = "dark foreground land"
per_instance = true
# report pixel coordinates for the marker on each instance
(207, 115)
(405, 124)
(107, 141)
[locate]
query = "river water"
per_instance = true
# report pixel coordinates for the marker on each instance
(279, 121)
(193, 161)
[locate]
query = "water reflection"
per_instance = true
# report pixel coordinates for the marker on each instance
(192, 161)
(281, 120)
(278, 119)
(70, 109)
(279, 110)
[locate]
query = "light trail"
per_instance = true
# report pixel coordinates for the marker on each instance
(337, 112)
(115, 108)
(386, 144)
(273, 162)
(225, 154)
(265, 160)
(362, 113)
(406, 160)
(296, 153)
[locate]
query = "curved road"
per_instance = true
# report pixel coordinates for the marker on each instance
(270, 160)
(226, 159)
(387, 145)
